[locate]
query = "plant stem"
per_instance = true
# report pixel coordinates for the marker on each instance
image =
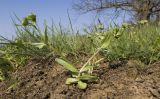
(89, 60)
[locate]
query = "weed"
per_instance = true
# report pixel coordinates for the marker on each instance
(140, 41)
(85, 72)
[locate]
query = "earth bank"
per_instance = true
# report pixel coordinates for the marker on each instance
(39, 80)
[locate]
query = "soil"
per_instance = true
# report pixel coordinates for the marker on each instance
(39, 80)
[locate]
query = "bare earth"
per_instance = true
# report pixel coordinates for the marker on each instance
(40, 80)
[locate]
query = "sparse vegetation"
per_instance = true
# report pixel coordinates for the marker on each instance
(139, 41)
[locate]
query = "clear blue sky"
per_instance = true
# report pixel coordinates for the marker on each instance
(44, 9)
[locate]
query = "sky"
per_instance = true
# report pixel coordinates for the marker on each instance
(48, 10)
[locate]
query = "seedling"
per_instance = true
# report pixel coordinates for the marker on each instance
(84, 74)
(79, 77)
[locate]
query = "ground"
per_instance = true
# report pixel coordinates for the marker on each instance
(40, 80)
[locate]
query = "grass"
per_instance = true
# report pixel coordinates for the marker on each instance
(140, 41)
(57, 39)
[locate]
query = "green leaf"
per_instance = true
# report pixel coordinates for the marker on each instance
(86, 68)
(66, 65)
(39, 45)
(71, 80)
(31, 17)
(82, 85)
(105, 44)
(87, 77)
(106, 41)
(25, 22)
